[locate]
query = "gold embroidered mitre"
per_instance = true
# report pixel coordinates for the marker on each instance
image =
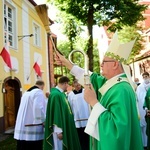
(119, 51)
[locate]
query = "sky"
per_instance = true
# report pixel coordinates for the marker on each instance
(51, 11)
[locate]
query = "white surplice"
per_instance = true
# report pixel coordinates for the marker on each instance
(141, 93)
(80, 108)
(31, 112)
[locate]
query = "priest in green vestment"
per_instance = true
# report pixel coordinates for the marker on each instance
(147, 107)
(114, 122)
(60, 130)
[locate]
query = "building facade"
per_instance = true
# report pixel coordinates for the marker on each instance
(26, 38)
(141, 62)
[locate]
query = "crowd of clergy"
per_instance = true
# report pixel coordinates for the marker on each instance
(109, 112)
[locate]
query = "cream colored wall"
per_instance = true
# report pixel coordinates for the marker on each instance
(25, 54)
(2, 72)
(39, 53)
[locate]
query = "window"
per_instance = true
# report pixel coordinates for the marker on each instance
(37, 35)
(9, 24)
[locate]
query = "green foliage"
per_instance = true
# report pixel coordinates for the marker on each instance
(78, 45)
(96, 61)
(121, 12)
(64, 47)
(81, 43)
(70, 27)
(78, 57)
(115, 14)
(129, 33)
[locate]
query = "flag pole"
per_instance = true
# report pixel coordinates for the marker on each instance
(32, 70)
(30, 74)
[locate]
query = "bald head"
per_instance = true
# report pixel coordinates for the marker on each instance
(40, 84)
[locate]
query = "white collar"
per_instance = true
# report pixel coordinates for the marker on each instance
(61, 90)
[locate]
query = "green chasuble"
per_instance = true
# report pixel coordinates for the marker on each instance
(147, 104)
(119, 127)
(59, 114)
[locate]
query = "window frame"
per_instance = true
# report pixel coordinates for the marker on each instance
(9, 18)
(37, 34)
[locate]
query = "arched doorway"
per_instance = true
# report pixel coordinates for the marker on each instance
(12, 96)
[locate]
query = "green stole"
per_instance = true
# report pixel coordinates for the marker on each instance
(111, 82)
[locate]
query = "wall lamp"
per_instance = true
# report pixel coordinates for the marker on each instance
(22, 36)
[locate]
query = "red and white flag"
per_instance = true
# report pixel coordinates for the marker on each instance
(6, 56)
(37, 69)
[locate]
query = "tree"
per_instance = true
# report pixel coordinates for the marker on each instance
(111, 13)
(78, 45)
(129, 33)
(71, 29)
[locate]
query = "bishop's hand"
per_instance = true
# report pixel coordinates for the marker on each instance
(90, 95)
(61, 60)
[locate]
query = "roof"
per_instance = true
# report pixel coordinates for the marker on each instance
(35, 4)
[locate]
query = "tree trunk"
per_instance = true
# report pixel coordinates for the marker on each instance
(90, 34)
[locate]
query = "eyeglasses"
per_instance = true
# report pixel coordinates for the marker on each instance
(107, 61)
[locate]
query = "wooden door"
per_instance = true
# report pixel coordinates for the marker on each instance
(9, 102)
